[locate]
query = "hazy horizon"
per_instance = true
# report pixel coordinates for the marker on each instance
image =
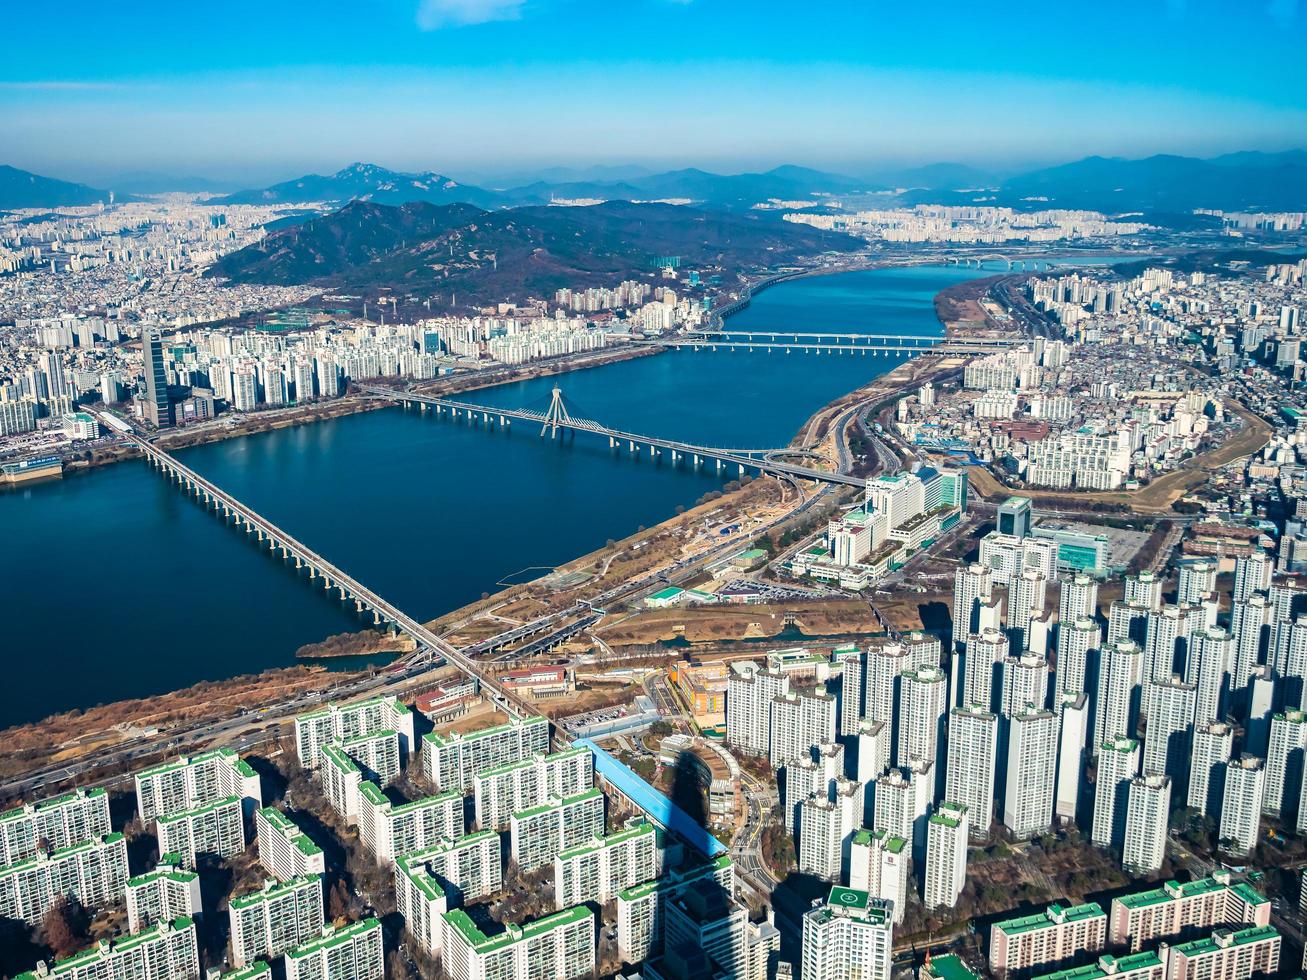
(257, 93)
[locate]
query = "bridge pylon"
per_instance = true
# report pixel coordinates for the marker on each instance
(556, 415)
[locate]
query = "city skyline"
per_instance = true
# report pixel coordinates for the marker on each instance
(481, 89)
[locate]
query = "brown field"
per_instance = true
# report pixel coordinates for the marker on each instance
(708, 623)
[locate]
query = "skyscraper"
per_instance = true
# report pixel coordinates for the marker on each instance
(1117, 708)
(158, 408)
(1213, 746)
(1118, 763)
(1077, 599)
(972, 585)
(1168, 740)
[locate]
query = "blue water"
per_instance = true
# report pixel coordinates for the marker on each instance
(116, 585)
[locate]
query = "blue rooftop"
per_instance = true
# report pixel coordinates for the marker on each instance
(659, 808)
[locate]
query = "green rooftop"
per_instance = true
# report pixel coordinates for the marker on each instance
(334, 937)
(1054, 915)
(513, 934)
(1237, 937)
(1108, 966)
(949, 967)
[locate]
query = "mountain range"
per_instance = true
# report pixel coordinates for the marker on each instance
(1248, 180)
(21, 189)
(512, 254)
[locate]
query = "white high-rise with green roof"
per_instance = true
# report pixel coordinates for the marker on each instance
(167, 951)
(60, 822)
(342, 722)
(93, 872)
(284, 849)
(557, 947)
(540, 834)
(352, 952)
(191, 782)
(276, 918)
(168, 892)
(389, 830)
(850, 936)
(216, 828)
(450, 761)
(500, 792)
(598, 870)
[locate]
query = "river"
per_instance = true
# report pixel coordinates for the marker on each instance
(116, 585)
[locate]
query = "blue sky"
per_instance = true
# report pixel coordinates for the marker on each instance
(472, 88)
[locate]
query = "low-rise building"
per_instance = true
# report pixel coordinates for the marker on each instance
(1147, 965)
(1056, 935)
(1228, 954)
(1175, 909)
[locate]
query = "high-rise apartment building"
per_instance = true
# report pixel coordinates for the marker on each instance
(540, 834)
(93, 872)
(389, 830)
(1148, 806)
(166, 893)
(1241, 803)
(946, 855)
(167, 951)
(275, 919)
(60, 822)
(450, 761)
(1059, 934)
(560, 946)
(1118, 764)
(284, 849)
(849, 936)
(499, 792)
(1031, 773)
(972, 754)
(216, 828)
(597, 871)
(1213, 749)
(350, 952)
(187, 783)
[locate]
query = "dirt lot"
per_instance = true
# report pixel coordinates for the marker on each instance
(708, 623)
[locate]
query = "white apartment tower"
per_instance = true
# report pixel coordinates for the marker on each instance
(946, 855)
(1147, 810)
(969, 777)
(1031, 772)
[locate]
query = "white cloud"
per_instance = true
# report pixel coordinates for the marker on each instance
(435, 14)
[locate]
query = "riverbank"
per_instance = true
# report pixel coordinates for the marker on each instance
(404, 481)
(234, 426)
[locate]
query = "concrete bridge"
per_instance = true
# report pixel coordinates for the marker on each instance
(818, 343)
(761, 460)
(333, 578)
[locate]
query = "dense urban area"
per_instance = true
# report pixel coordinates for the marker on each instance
(999, 669)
